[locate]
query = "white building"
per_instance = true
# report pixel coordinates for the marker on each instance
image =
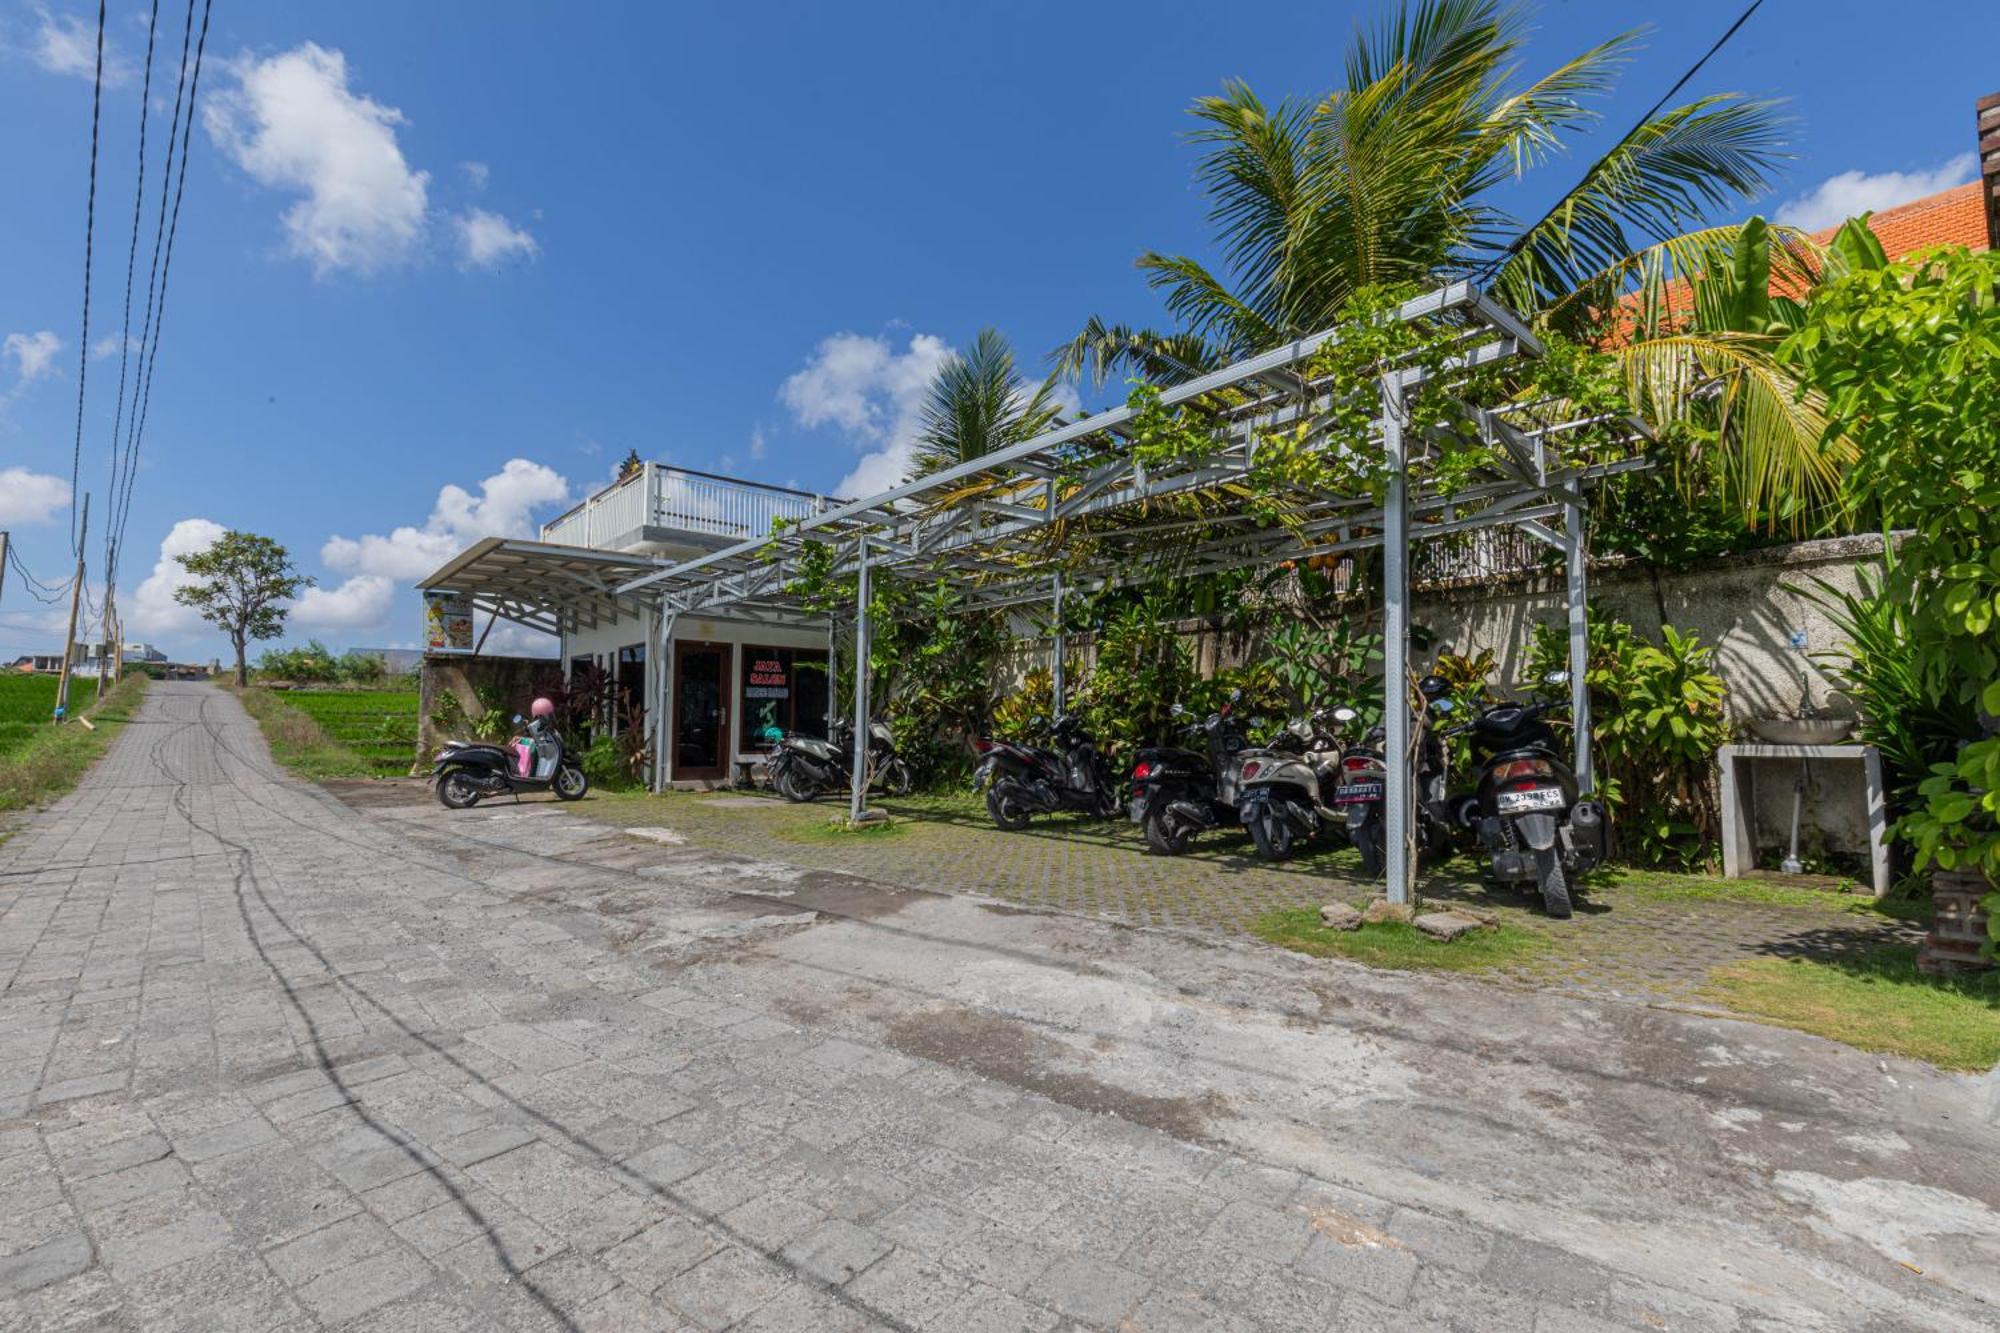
(732, 684)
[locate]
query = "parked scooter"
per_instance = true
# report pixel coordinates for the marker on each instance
(1524, 809)
(1283, 797)
(1025, 780)
(1178, 792)
(802, 768)
(466, 772)
(1363, 790)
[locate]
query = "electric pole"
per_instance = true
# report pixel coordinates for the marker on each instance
(4, 538)
(69, 635)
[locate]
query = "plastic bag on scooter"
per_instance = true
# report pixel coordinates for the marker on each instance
(524, 754)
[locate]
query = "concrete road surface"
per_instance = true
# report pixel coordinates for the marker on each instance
(272, 1059)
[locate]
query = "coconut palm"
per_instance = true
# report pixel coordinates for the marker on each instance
(977, 403)
(1391, 179)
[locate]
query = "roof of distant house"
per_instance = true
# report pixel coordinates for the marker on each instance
(1950, 217)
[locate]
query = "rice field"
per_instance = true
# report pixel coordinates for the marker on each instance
(27, 703)
(378, 725)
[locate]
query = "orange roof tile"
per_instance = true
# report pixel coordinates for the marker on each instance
(1949, 217)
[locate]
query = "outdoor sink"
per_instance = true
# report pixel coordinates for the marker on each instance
(1802, 731)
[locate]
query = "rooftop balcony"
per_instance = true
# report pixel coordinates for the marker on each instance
(661, 509)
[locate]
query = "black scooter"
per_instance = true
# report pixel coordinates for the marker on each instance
(1025, 780)
(1524, 809)
(1363, 789)
(1178, 792)
(804, 767)
(466, 772)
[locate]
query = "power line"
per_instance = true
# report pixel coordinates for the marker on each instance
(131, 263)
(1514, 246)
(40, 591)
(163, 263)
(89, 235)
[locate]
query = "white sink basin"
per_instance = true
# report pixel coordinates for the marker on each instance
(1802, 731)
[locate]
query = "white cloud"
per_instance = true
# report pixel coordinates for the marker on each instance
(34, 353)
(362, 602)
(151, 608)
(487, 240)
(1852, 193)
(31, 497)
(872, 392)
(757, 443)
(107, 346)
(66, 44)
(505, 507)
(292, 123)
(476, 174)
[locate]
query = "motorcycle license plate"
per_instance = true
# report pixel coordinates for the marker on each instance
(1357, 791)
(1539, 798)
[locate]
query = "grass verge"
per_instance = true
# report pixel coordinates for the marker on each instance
(51, 761)
(300, 743)
(1876, 1001)
(1392, 944)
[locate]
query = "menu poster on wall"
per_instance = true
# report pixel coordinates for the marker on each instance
(767, 680)
(447, 621)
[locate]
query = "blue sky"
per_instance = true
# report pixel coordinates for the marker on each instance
(440, 265)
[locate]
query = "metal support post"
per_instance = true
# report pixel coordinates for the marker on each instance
(663, 691)
(1056, 660)
(858, 800)
(1579, 645)
(1396, 644)
(832, 672)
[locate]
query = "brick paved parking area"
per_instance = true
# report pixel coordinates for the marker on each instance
(272, 1060)
(1646, 937)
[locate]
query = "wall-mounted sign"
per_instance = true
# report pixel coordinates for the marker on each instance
(767, 680)
(447, 621)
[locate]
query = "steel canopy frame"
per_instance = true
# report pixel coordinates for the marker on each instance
(1017, 525)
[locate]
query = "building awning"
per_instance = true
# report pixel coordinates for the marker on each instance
(545, 586)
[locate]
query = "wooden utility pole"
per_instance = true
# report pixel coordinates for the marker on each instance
(75, 598)
(108, 647)
(4, 539)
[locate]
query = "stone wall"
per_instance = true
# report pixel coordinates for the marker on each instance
(1764, 633)
(514, 677)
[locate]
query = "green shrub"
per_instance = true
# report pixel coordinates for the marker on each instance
(1657, 719)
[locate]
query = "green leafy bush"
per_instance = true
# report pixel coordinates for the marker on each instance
(1657, 720)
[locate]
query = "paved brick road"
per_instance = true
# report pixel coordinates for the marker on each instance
(271, 1061)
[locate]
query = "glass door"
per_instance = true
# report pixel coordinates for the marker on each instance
(701, 710)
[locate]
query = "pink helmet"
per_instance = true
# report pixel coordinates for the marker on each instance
(543, 708)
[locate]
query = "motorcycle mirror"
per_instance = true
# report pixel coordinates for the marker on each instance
(1344, 714)
(1556, 678)
(1178, 711)
(1441, 705)
(517, 717)
(1234, 695)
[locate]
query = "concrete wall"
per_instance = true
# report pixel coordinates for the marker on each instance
(515, 678)
(1764, 634)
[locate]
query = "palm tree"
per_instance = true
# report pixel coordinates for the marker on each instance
(1390, 180)
(977, 403)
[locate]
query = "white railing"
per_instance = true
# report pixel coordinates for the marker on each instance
(679, 501)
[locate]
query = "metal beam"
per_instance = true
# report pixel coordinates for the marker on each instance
(858, 800)
(1396, 647)
(1579, 645)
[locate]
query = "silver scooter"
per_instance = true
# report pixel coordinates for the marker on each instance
(1283, 788)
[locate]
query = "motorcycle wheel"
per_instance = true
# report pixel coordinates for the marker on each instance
(1367, 839)
(1007, 814)
(457, 791)
(896, 779)
(570, 783)
(1555, 885)
(1273, 836)
(1108, 804)
(799, 789)
(1166, 835)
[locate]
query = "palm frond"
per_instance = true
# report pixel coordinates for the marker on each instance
(1773, 444)
(1101, 350)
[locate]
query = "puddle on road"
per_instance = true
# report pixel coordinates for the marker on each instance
(1009, 1051)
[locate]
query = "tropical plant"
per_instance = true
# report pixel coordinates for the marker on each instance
(1657, 719)
(1022, 715)
(1908, 357)
(1391, 180)
(977, 403)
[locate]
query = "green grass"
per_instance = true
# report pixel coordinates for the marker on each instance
(1655, 886)
(26, 705)
(1876, 1001)
(47, 760)
(299, 741)
(1392, 944)
(378, 727)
